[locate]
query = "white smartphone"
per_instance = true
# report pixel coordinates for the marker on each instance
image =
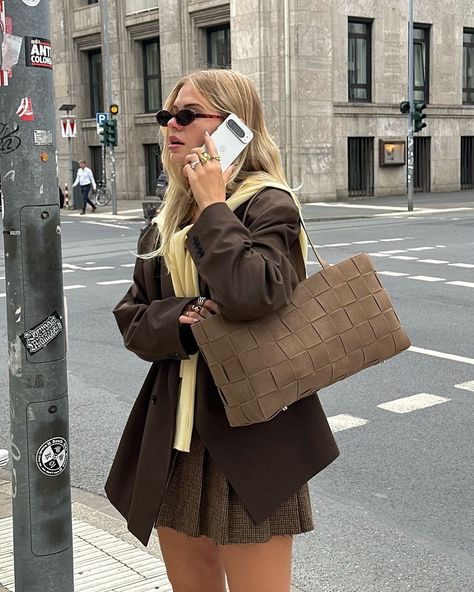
(230, 139)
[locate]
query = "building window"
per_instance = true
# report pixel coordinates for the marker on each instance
(360, 62)
(153, 167)
(152, 75)
(96, 162)
(218, 46)
(468, 67)
(360, 161)
(95, 82)
(421, 63)
(467, 162)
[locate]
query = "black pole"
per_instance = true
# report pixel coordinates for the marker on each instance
(42, 525)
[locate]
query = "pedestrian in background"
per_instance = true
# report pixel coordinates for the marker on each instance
(85, 179)
(226, 501)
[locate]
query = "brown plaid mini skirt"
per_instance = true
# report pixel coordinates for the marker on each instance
(199, 500)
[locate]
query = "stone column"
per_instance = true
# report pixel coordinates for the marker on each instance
(286, 48)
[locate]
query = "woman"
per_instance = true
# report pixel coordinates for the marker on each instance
(226, 501)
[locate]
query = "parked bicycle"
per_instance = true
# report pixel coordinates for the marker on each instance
(102, 195)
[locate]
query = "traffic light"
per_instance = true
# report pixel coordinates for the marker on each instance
(418, 116)
(405, 107)
(108, 133)
(112, 134)
(103, 135)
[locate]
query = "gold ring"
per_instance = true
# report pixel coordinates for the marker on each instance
(215, 157)
(204, 157)
(194, 164)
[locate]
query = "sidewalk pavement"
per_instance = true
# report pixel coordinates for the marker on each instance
(107, 558)
(319, 211)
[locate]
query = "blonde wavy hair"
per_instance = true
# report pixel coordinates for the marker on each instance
(228, 92)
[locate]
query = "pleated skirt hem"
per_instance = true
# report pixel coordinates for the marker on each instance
(199, 501)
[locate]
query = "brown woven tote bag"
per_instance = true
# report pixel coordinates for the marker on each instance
(338, 322)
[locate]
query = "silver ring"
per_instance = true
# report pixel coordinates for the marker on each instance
(196, 307)
(201, 300)
(194, 164)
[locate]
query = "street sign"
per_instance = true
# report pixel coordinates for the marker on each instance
(100, 119)
(68, 126)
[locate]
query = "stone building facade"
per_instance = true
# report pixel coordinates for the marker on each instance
(331, 73)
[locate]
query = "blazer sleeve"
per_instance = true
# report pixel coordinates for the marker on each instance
(149, 323)
(247, 268)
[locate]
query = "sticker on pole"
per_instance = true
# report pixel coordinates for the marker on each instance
(52, 457)
(38, 52)
(25, 110)
(31, 2)
(43, 334)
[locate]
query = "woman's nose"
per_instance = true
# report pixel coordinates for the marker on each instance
(172, 123)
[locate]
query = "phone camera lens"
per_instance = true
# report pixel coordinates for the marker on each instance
(238, 131)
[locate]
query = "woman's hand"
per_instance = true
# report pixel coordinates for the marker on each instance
(207, 180)
(194, 312)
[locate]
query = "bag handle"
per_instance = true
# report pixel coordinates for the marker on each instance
(320, 259)
(324, 264)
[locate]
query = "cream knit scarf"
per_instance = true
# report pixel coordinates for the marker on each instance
(185, 281)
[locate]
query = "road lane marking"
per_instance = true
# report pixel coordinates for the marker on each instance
(433, 261)
(98, 268)
(338, 245)
(127, 265)
(364, 242)
(392, 273)
(404, 258)
(464, 284)
(2, 295)
(112, 282)
(438, 354)
(74, 287)
(467, 386)
(466, 265)
(355, 206)
(426, 278)
(343, 421)
(389, 240)
(106, 224)
(413, 403)
(420, 248)
(393, 251)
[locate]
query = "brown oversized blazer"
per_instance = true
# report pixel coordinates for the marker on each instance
(249, 270)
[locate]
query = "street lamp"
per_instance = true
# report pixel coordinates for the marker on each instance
(68, 107)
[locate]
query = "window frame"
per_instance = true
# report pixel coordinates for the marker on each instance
(468, 90)
(96, 88)
(150, 160)
(426, 66)
(147, 77)
(368, 38)
(215, 29)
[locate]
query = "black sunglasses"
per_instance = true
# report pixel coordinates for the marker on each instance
(183, 117)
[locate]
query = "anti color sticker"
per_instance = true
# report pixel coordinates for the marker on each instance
(43, 334)
(52, 456)
(38, 52)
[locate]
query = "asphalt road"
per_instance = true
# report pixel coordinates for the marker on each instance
(394, 512)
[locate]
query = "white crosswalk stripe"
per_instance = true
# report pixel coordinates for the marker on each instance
(345, 422)
(413, 403)
(467, 386)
